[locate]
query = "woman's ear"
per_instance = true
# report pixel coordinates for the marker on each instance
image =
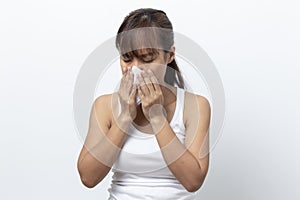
(171, 56)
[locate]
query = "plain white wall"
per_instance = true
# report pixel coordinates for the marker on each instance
(252, 43)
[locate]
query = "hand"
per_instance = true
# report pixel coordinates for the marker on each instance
(126, 93)
(151, 96)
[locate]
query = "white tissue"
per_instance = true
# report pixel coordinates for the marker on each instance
(136, 71)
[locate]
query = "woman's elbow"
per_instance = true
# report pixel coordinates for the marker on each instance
(195, 184)
(88, 182)
(193, 187)
(87, 179)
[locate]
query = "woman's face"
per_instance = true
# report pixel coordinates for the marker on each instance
(157, 63)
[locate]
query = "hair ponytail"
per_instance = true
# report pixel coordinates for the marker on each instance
(173, 75)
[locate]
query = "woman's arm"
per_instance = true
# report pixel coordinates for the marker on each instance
(184, 160)
(107, 132)
(103, 143)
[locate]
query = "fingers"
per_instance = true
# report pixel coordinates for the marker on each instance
(130, 79)
(127, 79)
(142, 84)
(154, 81)
(126, 84)
(149, 83)
(141, 95)
(133, 92)
(145, 84)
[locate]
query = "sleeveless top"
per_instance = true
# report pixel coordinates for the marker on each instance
(140, 171)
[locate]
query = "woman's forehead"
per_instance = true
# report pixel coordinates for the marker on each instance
(139, 44)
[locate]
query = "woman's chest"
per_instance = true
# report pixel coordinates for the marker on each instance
(141, 152)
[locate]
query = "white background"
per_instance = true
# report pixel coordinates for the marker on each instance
(253, 44)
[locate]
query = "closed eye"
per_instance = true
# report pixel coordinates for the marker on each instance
(147, 58)
(127, 60)
(126, 57)
(148, 61)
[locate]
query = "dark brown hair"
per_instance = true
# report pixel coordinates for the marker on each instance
(148, 17)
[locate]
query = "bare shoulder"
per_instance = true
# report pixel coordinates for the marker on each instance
(192, 100)
(103, 106)
(192, 97)
(195, 105)
(197, 115)
(103, 99)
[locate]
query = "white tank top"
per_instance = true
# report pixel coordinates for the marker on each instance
(140, 171)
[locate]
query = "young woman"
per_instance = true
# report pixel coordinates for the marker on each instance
(154, 148)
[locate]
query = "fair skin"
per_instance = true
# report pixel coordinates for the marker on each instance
(188, 162)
